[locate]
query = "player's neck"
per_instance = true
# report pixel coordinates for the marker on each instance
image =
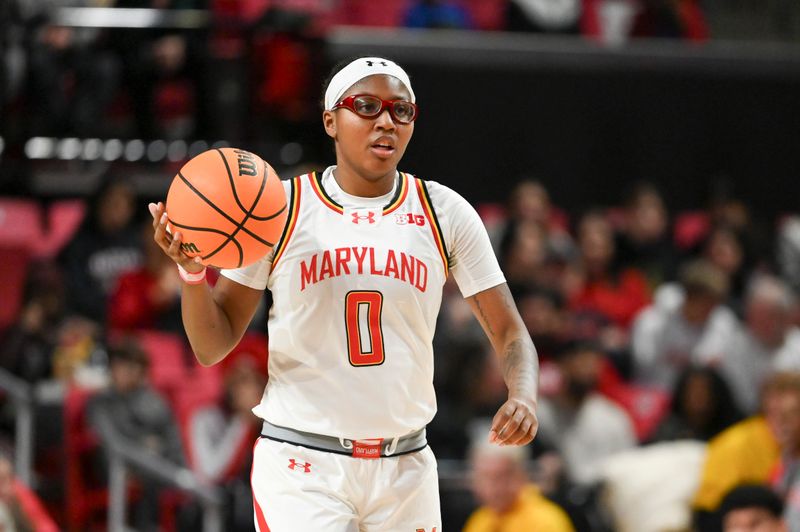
(354, 184)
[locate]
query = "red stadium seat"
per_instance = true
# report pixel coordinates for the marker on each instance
(63, 219)
(167, 355)
(20, 222)
(14, 259)
(646, 406)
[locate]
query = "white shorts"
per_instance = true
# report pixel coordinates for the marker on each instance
(296, 489)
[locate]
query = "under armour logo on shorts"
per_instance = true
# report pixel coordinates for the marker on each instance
(294, 465)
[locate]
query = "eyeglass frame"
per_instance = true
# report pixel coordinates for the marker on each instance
(347, 103)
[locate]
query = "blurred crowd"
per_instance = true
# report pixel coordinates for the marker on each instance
(256, 62)
(668, 342)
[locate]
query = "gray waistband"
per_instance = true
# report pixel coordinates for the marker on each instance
(409, 443)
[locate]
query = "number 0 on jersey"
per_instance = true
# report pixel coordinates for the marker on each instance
(362, 320)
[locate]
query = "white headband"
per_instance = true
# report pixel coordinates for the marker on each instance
(358, 70)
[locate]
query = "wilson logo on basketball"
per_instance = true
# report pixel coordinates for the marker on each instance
(189, 247)
(407, 218)
(247, 163)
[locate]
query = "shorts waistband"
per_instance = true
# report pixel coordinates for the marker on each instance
(410, 443)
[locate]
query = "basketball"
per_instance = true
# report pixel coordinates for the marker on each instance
(229, 205)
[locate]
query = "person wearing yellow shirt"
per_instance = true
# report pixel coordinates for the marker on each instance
(509, 502)
(747, 452)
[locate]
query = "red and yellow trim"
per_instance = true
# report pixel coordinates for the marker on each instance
(316, 186)
(291, 220)
(399, 197)
(436, 230)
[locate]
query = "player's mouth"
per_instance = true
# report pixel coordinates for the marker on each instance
(383, 148)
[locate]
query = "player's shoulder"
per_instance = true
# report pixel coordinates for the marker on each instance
(440, 195)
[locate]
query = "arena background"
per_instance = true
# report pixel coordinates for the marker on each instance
(702, 103)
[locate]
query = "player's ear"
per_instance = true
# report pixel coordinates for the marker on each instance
(329, 121)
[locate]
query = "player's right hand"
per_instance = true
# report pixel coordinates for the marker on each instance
(169, 243)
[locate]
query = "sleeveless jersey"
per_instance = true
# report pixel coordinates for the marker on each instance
(356, 293)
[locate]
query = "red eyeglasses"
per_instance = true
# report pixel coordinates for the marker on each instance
(369, 106)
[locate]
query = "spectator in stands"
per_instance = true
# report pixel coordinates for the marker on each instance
(523, 255)
(686, 324)
(530, 201)
(219, 431)
(544, 314)
(725, 248)
(459, 352)
(71, 79)
(437, 14)
(106, 245)
(131, 411)
(149, 296)
(131, 408)
(645, 241)
(153, 57)
(603, 287)
(221, 435)
(752, 508)
(508, 500)
(768, 342)
(785, 424)
(702, 407)
(749, 451)
(584, 426)
(28, 346)
(20, 509)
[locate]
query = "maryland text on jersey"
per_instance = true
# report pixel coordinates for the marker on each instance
(362, 261)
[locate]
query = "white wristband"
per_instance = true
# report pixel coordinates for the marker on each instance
(192, 278)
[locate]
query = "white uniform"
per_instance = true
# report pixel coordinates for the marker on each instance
(357, 285)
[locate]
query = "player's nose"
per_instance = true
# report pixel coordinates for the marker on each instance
(385, 121)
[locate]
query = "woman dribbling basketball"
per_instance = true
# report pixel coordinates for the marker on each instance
(356, 280)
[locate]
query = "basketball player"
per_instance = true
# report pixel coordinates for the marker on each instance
(356, 280)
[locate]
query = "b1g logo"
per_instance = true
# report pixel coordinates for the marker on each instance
(407, 218)
(189, 247)
(247, 163)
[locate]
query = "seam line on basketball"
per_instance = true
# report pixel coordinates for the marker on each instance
(247, 213)
(223, 213)
(211, 230)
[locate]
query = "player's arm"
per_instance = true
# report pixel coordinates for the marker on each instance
(215, 320)
(515, 423)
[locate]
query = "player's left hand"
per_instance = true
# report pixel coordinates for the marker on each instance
(515, 423)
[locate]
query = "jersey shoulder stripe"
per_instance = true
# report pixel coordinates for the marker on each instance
(291, 220)
(399, 197)
(436, 229)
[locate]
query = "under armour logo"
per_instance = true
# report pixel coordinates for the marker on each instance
(369, 217)
(372, 63)
(294, 464)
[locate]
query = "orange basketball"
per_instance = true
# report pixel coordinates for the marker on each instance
(229, 206)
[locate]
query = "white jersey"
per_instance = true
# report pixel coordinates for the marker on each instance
(356, 286)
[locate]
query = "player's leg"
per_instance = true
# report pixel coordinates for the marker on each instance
(404, 495)
(295, 488)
